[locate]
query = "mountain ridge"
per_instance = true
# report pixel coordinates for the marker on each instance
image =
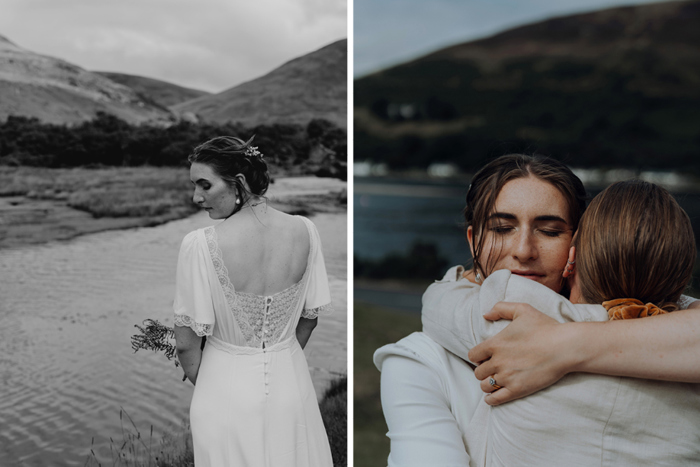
(56, 91)
(614, 86)
(162, 92)
(283, 95)
(312, 86)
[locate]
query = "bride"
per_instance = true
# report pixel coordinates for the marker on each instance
(254, 285)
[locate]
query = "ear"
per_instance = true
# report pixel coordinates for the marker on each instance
(470, 239)
(570, 265)
(242, 182)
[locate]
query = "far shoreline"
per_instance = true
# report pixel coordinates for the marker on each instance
(27, 220)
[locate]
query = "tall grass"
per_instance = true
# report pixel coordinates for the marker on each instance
(173, 450)
(334, 411)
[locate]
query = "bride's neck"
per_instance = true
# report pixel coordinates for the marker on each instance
(575, 295)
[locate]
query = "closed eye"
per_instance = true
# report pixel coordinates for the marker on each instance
(552, 233)
(501, 229)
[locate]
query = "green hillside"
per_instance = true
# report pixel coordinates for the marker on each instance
(618, 87)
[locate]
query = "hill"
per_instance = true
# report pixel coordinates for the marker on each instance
(613, 87)
(56, 91)
(313, 86)
(161, 92)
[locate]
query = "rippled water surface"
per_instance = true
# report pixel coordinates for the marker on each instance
(68, 310)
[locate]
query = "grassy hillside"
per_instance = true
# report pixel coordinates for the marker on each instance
(56, 91)
(161, 92)
(617, 87)
(308, 87)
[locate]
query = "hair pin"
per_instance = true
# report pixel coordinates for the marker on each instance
(252, 151)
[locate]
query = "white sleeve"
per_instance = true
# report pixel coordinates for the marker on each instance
(193, 306)
(318, 293)
(422, 429)
(453, 311)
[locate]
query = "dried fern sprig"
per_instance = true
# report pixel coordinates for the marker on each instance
(155, 336)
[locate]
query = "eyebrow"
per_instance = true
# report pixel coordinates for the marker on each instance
(200, 180)
(509, 216)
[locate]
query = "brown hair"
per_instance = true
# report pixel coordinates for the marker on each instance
(634, 241)
(227, 156)
(487, 183)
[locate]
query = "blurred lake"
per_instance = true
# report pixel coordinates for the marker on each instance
(68, 310)
(390, 214)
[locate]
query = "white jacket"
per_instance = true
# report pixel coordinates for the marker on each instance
(584, 419)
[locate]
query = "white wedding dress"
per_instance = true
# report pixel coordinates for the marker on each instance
(254, 403)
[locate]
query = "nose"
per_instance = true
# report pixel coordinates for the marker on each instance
(525, 245)
(197, 197)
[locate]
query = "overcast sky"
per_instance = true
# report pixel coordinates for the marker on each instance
(210, 45)
(388, 32)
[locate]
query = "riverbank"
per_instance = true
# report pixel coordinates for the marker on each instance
(69, 345)
(38, 205)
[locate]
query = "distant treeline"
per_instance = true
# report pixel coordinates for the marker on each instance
(580, 113)
(320, 147)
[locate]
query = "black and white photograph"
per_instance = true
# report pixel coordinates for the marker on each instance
(173, 233)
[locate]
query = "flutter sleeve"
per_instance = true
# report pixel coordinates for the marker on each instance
(318, 293)
(193, 304)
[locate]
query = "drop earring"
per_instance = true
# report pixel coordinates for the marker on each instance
(238, 200)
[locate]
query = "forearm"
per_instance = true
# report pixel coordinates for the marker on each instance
(665, 347)
(304, 329)
(422, 429)
(190, 360)
(189, 351)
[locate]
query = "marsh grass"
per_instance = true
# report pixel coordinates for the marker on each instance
(160, 193)
(137, 450)
(334, 411)
(174, 449)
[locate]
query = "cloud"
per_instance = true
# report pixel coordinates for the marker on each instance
(208, 44)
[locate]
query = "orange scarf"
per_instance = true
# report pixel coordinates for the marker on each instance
(629, 308)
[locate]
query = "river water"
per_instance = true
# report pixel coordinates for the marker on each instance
(392, 214)
(68, 310)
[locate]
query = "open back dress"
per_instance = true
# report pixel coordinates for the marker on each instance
(254, 403)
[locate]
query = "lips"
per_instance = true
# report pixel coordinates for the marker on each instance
(532, 275)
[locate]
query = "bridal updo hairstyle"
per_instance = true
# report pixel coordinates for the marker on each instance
(487, 184)
(229, 156)
(634, 241)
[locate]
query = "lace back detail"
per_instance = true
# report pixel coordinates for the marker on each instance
(261, 319)
(272, 313)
